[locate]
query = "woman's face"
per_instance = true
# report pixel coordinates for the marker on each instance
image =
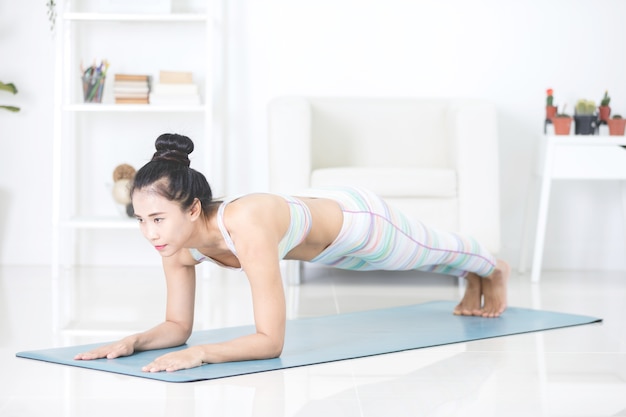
(162, 222)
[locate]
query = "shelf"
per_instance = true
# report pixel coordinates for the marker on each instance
(135, 17)
(583, 157)
(82, 151)
(93, 222)
(131, 108)
(571, 157)
(587, 139)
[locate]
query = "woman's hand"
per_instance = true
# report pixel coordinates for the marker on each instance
(124, 347)
(174, 361)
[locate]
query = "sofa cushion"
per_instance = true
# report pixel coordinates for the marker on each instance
(391, 182)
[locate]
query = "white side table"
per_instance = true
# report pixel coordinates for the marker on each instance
(569, 158)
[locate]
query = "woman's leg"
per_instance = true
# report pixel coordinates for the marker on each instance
(417, 246)
(376, 236)
(439, 251)
(397, 242)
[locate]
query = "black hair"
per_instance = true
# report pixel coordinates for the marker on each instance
(170, 174)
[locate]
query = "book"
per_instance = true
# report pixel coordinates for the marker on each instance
(131, 95)
(122, 90)
(130, 90)
(131, 83)
(132, 77)
(175, 77)
(174, 89)
(131, 100)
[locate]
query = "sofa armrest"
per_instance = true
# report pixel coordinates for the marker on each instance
(474, 138)
(289, 139)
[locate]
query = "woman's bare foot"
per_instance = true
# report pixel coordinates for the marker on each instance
(470, 304)
(494, 288)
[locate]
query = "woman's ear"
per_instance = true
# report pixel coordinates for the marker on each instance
(196, 209)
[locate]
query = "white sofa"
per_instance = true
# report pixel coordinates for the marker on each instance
(436, 159)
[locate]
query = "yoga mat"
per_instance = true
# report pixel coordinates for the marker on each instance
(332, 338)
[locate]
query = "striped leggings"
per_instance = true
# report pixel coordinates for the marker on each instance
(375, 236)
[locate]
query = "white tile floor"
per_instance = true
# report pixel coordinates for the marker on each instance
(578, 371)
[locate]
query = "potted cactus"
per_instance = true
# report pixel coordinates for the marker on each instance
(604, 109)
(550, 107)
(585, 119)
(562, 123)
(10, 87)
(617, 125)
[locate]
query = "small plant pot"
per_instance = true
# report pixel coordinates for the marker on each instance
(585, 124)
(550, 112)
(562, 125)
(604, 113)
(616, 126)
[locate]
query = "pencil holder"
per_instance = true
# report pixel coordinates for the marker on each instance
(92, 88)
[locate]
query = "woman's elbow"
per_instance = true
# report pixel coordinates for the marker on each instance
(274, 348)
(182, 332)
(277, 351)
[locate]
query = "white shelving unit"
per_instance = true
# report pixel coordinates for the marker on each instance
(90, 139)
(570, 158)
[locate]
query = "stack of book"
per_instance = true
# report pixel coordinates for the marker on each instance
(131, 89)
(175, 88)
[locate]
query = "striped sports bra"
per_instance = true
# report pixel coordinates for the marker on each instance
(299, 227)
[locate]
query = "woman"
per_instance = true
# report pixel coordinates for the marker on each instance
(348, 228)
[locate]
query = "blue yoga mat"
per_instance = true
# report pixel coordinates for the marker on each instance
(317, 340)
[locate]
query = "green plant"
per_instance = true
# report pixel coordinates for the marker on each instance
(617, 116)
(585, 107)
(606, 99)
(562, 113)
(550, 98)
(10, 87)
(52, 14)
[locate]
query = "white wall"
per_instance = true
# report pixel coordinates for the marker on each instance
(26, 59)
(508, 52)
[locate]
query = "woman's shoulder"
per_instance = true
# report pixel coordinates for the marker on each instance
(254, 209)
(254, 201)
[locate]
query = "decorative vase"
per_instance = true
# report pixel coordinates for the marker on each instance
(562, 125)
(585, 124)
(616, 126)
(550, 112)
(605, 112)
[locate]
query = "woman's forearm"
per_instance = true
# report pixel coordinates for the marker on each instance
(250, 347)
(255, 346)
(165, 335)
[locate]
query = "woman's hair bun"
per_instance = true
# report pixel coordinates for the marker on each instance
(173, 147)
